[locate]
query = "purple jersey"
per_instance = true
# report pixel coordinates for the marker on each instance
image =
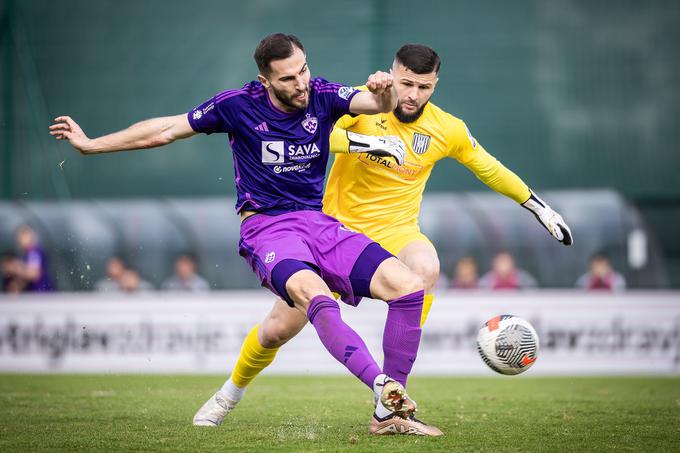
(35, 257)
(279, 157)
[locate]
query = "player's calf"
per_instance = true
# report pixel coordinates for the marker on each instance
(401, 337)
(280, 325)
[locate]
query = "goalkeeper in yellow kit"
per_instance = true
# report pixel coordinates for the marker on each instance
(380, 197)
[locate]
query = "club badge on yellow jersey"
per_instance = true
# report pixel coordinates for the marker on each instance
(420, 143)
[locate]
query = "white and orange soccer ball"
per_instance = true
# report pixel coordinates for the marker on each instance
(508, 344)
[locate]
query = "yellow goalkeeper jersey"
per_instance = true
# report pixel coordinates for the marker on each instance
(370, 193)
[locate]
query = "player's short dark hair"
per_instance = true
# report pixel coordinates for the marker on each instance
(277, 46)
(419, 58)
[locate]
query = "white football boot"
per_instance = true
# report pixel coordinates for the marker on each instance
(214, 410)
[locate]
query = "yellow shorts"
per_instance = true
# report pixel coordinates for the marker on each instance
(395, 239)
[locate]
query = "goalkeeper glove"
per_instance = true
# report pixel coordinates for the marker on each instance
(552, 221)
(384, 146)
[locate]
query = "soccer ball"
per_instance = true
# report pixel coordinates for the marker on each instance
(508, 344)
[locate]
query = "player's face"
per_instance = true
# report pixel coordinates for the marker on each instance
(288, 81)
(414, 92)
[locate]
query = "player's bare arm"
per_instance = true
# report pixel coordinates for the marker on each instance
(149, 133)
(381, 96)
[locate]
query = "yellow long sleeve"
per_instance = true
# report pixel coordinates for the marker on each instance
(495, 175)
(339, 143)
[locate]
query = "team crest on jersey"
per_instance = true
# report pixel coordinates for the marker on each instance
(344, 92)
(310, 123)
(420, 143)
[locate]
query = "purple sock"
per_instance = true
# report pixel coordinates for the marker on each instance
(402, 335)
(341, 341)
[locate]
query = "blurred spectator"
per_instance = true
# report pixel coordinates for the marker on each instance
(465, 276)
(504, 274)
(131, 282)
(115, 267)
(185, 278)
(28, 274)
(10, 283)
(601, 276)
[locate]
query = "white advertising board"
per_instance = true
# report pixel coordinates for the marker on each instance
(631, 333)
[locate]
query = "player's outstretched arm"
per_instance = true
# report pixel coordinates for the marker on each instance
(381, 96)
(343, 141)
(499, 178)
(145, 134)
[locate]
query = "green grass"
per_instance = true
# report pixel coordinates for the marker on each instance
(120, 412)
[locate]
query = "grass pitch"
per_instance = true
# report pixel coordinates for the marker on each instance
(121, 412)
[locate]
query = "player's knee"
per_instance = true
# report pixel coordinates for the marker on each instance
(395, 280)
(304, 285)
(409, 284)
(306, 288)
(428, 271)
(275, 331)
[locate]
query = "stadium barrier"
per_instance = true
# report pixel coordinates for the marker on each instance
(580, 333)
(79, 236)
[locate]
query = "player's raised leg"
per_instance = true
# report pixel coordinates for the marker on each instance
(311, 295)
(403, 291)
(283, 323)
(421, 257)
(378, 274)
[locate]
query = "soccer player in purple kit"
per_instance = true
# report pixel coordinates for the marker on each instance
(279, 129)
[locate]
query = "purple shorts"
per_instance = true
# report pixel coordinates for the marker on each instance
(275, 247)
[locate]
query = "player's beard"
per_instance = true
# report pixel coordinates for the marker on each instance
(409, 117)
(290, 101)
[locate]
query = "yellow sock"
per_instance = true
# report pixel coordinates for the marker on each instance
(427, 304)
(253, 358)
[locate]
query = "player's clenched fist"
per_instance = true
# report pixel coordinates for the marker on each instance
(64, 128)
(378, 82)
